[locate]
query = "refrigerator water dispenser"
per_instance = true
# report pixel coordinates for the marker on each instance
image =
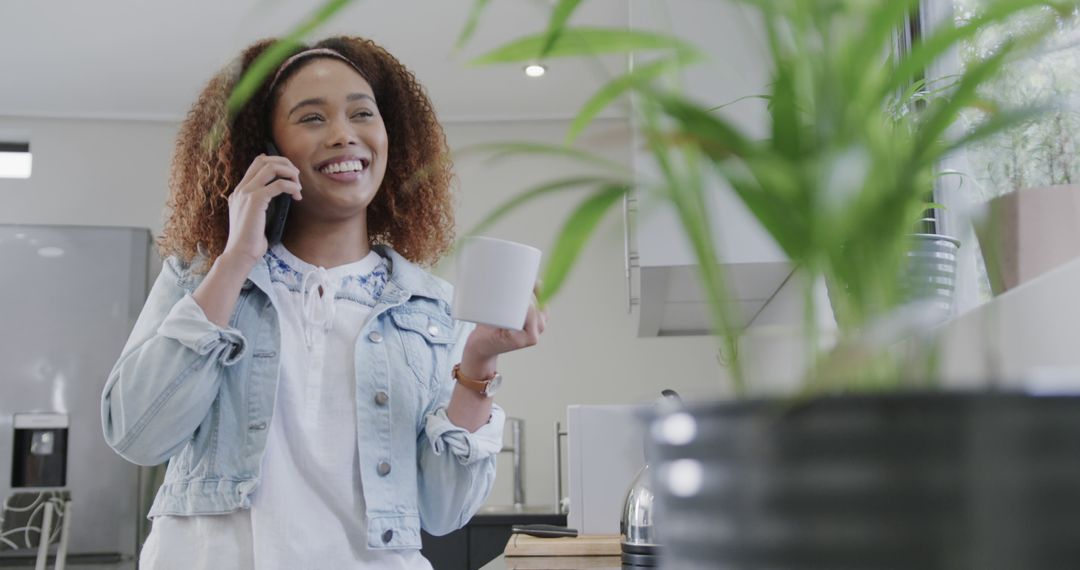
(40, 450)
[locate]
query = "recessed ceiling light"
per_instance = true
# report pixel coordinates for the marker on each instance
(50, 251)
(14, 160)
(535, 70)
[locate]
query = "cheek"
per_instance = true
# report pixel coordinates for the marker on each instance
(306, 179)
(383, 142)
(382, 145)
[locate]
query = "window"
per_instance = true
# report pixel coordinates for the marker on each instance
(1041, 152)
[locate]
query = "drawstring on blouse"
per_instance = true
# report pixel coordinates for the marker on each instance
(318, 310)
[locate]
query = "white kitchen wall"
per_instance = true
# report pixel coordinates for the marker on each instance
(89, 172)
(115, 173)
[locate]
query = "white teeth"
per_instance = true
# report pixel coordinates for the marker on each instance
(347, 166)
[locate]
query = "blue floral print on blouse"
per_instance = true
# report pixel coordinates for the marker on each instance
(364, 289)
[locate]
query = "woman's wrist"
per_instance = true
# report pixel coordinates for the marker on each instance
(477, 365)
(468, 409)
(478, 369)
(219, 290)
(237, 260)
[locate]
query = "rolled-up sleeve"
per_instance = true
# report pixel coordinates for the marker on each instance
(188, 324)
(468, 447)
(168, 374)
(457, 467)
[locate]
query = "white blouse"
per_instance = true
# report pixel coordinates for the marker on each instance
(308, 511)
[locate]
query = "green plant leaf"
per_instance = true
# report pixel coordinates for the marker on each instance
(787, 137)
(573, 236)
(503, 150)
(945, 111)
(533, 193)
(717, 137)
(740, 99)
(776, 210)
(584, 41)
(269, 60)
(641, 75)
(559, 16)
(471, 21)
(687, 193)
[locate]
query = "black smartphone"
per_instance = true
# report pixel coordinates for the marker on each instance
(279, 206)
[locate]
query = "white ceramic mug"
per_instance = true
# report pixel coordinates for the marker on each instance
(495, 280)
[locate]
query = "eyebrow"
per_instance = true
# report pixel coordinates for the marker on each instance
(320, 101)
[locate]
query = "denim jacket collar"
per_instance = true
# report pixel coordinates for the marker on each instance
(406, 279)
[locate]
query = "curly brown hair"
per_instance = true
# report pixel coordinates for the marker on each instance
(412, 211)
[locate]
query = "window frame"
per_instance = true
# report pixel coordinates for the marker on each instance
(953, 219)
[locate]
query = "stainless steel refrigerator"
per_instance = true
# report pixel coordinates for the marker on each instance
(69, 297)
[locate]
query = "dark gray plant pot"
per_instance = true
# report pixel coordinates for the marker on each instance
(913, 482)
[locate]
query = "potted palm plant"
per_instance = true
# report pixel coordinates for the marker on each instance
(867, 468)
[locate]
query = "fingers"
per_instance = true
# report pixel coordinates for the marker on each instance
(536, 316)
(542, 311)
(269, 176)
(535, 323)
(536, 311)
(264, 169)
(274, 169)
(283, 186)
(538, 287)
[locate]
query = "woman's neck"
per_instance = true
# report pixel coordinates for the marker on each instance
(328, 243)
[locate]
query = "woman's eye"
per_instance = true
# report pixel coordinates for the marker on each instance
(310, 118)
(364, 114)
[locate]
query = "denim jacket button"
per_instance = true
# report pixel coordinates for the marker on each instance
(384, 469)
(387, 536)
(433, 329)
(381, 398)
(375, 337)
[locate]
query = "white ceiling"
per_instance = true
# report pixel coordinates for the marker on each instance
(147, 60)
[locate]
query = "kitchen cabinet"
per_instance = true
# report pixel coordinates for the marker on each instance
(660, 264)
(484, 538)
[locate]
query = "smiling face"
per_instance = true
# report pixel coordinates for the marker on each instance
(327, 123)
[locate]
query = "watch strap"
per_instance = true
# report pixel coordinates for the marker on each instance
(476, 385)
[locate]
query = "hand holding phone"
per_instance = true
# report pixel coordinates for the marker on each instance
(279, 206)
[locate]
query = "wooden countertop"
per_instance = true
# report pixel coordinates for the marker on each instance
(554, 563)
(583, 552)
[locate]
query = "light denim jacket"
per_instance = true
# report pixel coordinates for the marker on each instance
(201, 396)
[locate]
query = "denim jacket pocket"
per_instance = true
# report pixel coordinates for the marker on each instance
(427, 340)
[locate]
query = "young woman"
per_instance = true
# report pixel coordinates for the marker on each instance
(316, 402)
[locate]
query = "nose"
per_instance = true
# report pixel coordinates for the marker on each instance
(342, 134)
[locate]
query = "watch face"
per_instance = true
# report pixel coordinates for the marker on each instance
(493, 386)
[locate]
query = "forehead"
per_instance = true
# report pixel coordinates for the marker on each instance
(323, 77)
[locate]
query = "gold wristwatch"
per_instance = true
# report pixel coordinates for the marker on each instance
(485, 386)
